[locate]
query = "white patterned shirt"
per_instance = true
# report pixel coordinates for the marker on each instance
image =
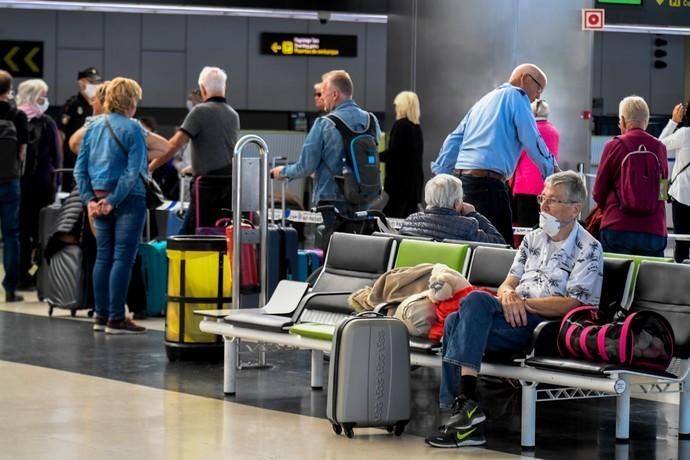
(574, 268)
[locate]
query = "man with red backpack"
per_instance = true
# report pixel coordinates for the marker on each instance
(630, 186)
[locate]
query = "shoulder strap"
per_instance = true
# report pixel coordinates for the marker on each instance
(121, 145)
(117, 139)
(679, 173)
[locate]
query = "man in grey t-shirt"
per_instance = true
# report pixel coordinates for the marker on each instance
(213, 128)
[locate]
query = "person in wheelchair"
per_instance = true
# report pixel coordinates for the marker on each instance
(447, 216)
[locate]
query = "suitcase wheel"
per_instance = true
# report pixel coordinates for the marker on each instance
(73, 312)
(89, 313)
(50, 310)
(400, 427)
(337, 428)
(390, 428)
(347, 427)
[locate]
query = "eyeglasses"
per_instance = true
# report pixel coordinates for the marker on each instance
(548, 201)
(541, 88)
(317, 94)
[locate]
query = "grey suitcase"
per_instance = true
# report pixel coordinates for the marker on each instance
(369, 374)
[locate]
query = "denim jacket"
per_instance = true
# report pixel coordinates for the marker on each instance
(324, 144)
(102, 165)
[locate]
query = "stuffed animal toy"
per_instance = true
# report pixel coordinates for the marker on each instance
(444, 283)
(418, 311)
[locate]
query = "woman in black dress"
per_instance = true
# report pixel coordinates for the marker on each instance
(404, 180)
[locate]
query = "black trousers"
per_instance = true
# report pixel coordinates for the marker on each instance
(681, 224)
(214, 200)
(491, 198)
(525, 210)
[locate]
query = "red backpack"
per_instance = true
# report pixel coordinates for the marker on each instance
(641, 181)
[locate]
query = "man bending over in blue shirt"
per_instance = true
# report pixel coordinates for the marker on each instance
(484, 149)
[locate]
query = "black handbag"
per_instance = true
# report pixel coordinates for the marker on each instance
(154, 195)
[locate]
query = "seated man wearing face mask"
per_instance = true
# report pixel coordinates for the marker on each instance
(74, 113)
(558, 266)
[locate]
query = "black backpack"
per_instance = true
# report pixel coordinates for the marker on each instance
(10, 165)
(32, 146)
(361, 176)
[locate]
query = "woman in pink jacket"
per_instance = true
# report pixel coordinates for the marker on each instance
(527, 182)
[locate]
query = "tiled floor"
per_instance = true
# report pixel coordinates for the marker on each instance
(67, 392)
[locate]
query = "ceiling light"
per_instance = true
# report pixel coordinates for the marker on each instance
(143, 8)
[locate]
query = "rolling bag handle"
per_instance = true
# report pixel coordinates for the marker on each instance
(276, 161)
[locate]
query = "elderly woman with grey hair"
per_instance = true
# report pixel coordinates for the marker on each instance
(38, 182)
(447, 217)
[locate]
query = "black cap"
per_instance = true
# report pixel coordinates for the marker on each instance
(91, 74)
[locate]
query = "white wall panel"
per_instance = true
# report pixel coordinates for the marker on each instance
(158, 91)
(375, 69)
(80, 30)
(122, 46)
(163, 32)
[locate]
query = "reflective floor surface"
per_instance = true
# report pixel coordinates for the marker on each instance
(67, 392)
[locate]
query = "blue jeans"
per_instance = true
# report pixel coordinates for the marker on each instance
(9, 219)
(479, 325)
(635, 243)
(117, 241)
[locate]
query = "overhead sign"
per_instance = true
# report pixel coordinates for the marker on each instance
(21, 58)
(592, 19)
(668, 13)
(282, 44)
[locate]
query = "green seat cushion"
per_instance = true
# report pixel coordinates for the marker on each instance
(314, 330)
(415, 252)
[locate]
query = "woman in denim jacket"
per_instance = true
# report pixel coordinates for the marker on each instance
(109, 172)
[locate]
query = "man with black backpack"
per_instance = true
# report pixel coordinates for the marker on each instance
(341, 149)
(13, 139)
(630, 187)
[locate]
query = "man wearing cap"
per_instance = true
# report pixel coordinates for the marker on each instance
(74, 112)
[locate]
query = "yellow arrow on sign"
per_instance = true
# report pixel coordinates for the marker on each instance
(275, 47)
(30, 56)
(8, 59)
(660, 2)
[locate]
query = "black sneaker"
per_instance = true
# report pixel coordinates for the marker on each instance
(465, 414)
(13, 297)
(471, 437)
(124, 326)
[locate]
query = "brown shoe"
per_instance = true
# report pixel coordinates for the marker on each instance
(124, 326)
(99, 324)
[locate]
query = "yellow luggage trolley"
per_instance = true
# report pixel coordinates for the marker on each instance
(199, 278)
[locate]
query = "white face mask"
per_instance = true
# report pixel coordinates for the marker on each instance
(189, 104)
(43, 107)
(90, 90)
(549, 224)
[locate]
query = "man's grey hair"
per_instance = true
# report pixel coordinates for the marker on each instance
(213, 79)
(443, 191)
(29, 91)
(571, 182)
(635, 111)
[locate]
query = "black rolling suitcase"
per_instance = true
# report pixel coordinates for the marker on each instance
(282, 256)
(47, 218)
(369, 374)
